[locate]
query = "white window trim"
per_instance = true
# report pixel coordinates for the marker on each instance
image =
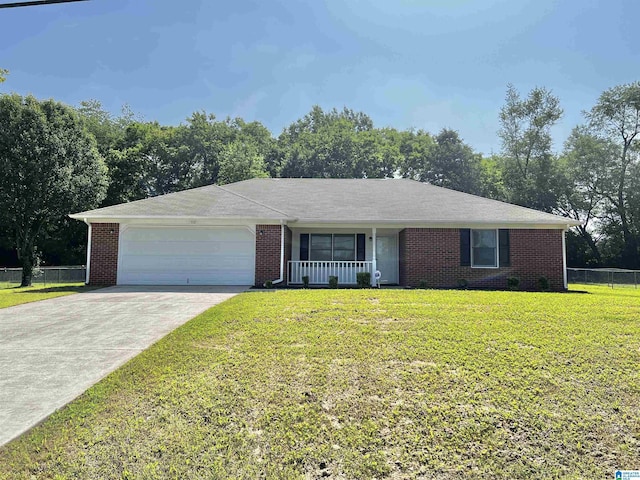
(355, 246)
(497, 265)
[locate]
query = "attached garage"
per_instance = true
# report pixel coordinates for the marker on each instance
(163, 255)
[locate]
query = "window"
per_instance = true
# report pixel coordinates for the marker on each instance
(328, 247)
(320, 248)
(344, 248)
(484, 248)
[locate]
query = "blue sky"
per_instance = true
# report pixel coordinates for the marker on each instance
(425, 64)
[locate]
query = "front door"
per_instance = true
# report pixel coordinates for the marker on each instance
(387, 258)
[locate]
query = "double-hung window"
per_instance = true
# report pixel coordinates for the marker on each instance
(484, 248)
(332, 247)
(320, 248)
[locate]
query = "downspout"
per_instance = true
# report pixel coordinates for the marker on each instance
(374, 260)
(281, 279)
(88, 269)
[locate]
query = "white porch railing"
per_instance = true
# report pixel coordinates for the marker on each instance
(319, 272)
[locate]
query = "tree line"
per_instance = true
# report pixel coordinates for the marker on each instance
(594, 178)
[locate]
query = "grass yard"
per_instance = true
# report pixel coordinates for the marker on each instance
(11, 295)
(364, 384)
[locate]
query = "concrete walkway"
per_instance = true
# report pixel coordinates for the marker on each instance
(52, 351)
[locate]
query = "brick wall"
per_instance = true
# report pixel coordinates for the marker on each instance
(268, 253)
(433, 255)
(103, 269)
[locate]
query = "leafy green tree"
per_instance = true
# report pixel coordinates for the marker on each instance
(528, 162)
(205, 139)
(454, 164)
(335, 145)
(377, 153)
(240, 161)
(444, 160)
(616, 119)
(416, 148)
(50, 166)
(3, 74)
(109, 131)
(491, 176)
(584, 169)
(154, 160)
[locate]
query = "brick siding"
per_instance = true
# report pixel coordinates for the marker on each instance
(103, 269)
(432, 255)
(268, 253)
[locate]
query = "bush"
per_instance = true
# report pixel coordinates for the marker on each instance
(364, 279)
(513, 283)
(268, 284)
(423, 284)
(333, 281)
(463, 283)
(543, 284)
(305, 281)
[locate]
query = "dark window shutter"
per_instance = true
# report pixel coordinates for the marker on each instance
(465, 247)
(360, 247)
(304, 246)
(503, 242)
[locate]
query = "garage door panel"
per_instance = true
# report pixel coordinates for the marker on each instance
(152, 248)
(189, 234)
(185, 263)
(186, 256)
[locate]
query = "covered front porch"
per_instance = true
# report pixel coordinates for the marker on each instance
(320, 253)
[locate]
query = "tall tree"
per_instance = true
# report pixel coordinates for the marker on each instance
(110, 133)
(528, 161)
(416, 148)
(240, 161)
(205, 138)
(335, 144)
(616, 118)
(107, 129)
(584, 169)
(154, 160)
(454, 164)
(444, 160)
(50, 166)
(3, 74)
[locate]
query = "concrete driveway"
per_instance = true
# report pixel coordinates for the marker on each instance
(52, 351)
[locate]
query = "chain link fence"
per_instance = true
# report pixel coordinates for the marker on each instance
(77, 273)
(45, 275)
(604, 276)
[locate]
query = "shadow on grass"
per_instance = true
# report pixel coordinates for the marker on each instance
(59, 289)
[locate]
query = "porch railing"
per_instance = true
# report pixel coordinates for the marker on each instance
(319, 272)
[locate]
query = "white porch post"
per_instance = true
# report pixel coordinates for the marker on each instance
(564, 260)
(88, 267)
(373, 258)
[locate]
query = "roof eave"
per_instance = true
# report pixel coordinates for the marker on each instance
(559, 223)
(114, 218)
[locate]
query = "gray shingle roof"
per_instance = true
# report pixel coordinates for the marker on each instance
(211, 201)
(332, 201)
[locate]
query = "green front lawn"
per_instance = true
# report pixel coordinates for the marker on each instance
(364, 384)
(11, 295)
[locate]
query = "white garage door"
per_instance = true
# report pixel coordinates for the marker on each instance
(186, 256)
